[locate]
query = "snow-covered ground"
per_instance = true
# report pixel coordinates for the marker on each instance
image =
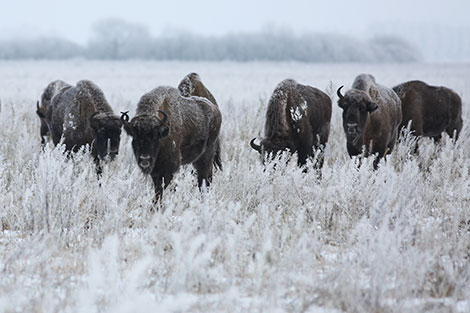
(355, 240)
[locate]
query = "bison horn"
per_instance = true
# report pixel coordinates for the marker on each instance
(255, 146)
(93, 115)
(38, 111)
(165, 117)
(341, 97)
(124, 117)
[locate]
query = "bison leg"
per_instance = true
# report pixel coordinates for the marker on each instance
(380, 151)
(320, 159)
(415, 151)
(353, 150)
(204, 166)
(436, 139)
(157, 183)
(98, 167)
(380, 155)
(454, 129)
(301, 158)
(160, 182)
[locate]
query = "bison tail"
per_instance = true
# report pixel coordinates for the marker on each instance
(217, 158)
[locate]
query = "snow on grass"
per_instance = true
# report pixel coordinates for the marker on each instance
(259, 240)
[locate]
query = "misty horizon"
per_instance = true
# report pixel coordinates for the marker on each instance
(117, 39)
(437, 32)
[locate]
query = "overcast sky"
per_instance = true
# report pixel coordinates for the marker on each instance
(73, 19)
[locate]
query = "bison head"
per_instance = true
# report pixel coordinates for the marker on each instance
(146, 131)
(106, 128)
(44, 128)
(270, 147)
(356, 105)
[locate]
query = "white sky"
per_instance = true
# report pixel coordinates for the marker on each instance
(73, 19)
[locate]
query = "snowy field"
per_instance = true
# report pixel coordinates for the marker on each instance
(355, 240)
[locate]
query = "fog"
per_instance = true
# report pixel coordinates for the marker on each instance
(435, 31)
(115, 39)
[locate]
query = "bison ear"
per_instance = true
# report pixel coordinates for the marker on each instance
(94, 122)
(163, 131)
(372, 106)
(341, 103)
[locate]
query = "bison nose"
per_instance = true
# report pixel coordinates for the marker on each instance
(351, 128)
(144, 162)
(113, 151)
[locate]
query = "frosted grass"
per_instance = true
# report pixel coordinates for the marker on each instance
(259, 240)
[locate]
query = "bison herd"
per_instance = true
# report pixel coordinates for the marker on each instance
(173, 126)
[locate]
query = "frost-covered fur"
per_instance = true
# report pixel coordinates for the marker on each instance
(371, 115)
(187, 132)
(191, 85)
(46, 97)
(82, 115)
(431, 110)
(298, 119)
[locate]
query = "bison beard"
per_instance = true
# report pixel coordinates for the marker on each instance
(187, 133)
(81, 116)
(371, 115)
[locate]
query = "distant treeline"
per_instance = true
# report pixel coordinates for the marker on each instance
(119, 40)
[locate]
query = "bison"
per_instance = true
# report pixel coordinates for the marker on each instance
(431, 110)
(371, 116)
(46, 98)
(297, 119)
(82, 115)
(191, 85)
(169, 130)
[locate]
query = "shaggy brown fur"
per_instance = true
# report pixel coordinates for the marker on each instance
(46, 99)
(191, 85)
(169, 130)
(298, 119)
(82, 115)
(371, 115)
(431, 110)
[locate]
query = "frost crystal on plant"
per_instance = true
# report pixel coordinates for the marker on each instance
(261, 238)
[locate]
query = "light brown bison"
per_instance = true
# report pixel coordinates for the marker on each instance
(82, 116)
(169, 130)
(297, 119)
(191, 85)
(371, 116)
(431, 110)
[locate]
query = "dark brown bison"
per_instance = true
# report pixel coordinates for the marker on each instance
(46, 98)
(191, 85)
(297, 119)
(169, 130)
(81, 115)
(431, 110)
(371, 116)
